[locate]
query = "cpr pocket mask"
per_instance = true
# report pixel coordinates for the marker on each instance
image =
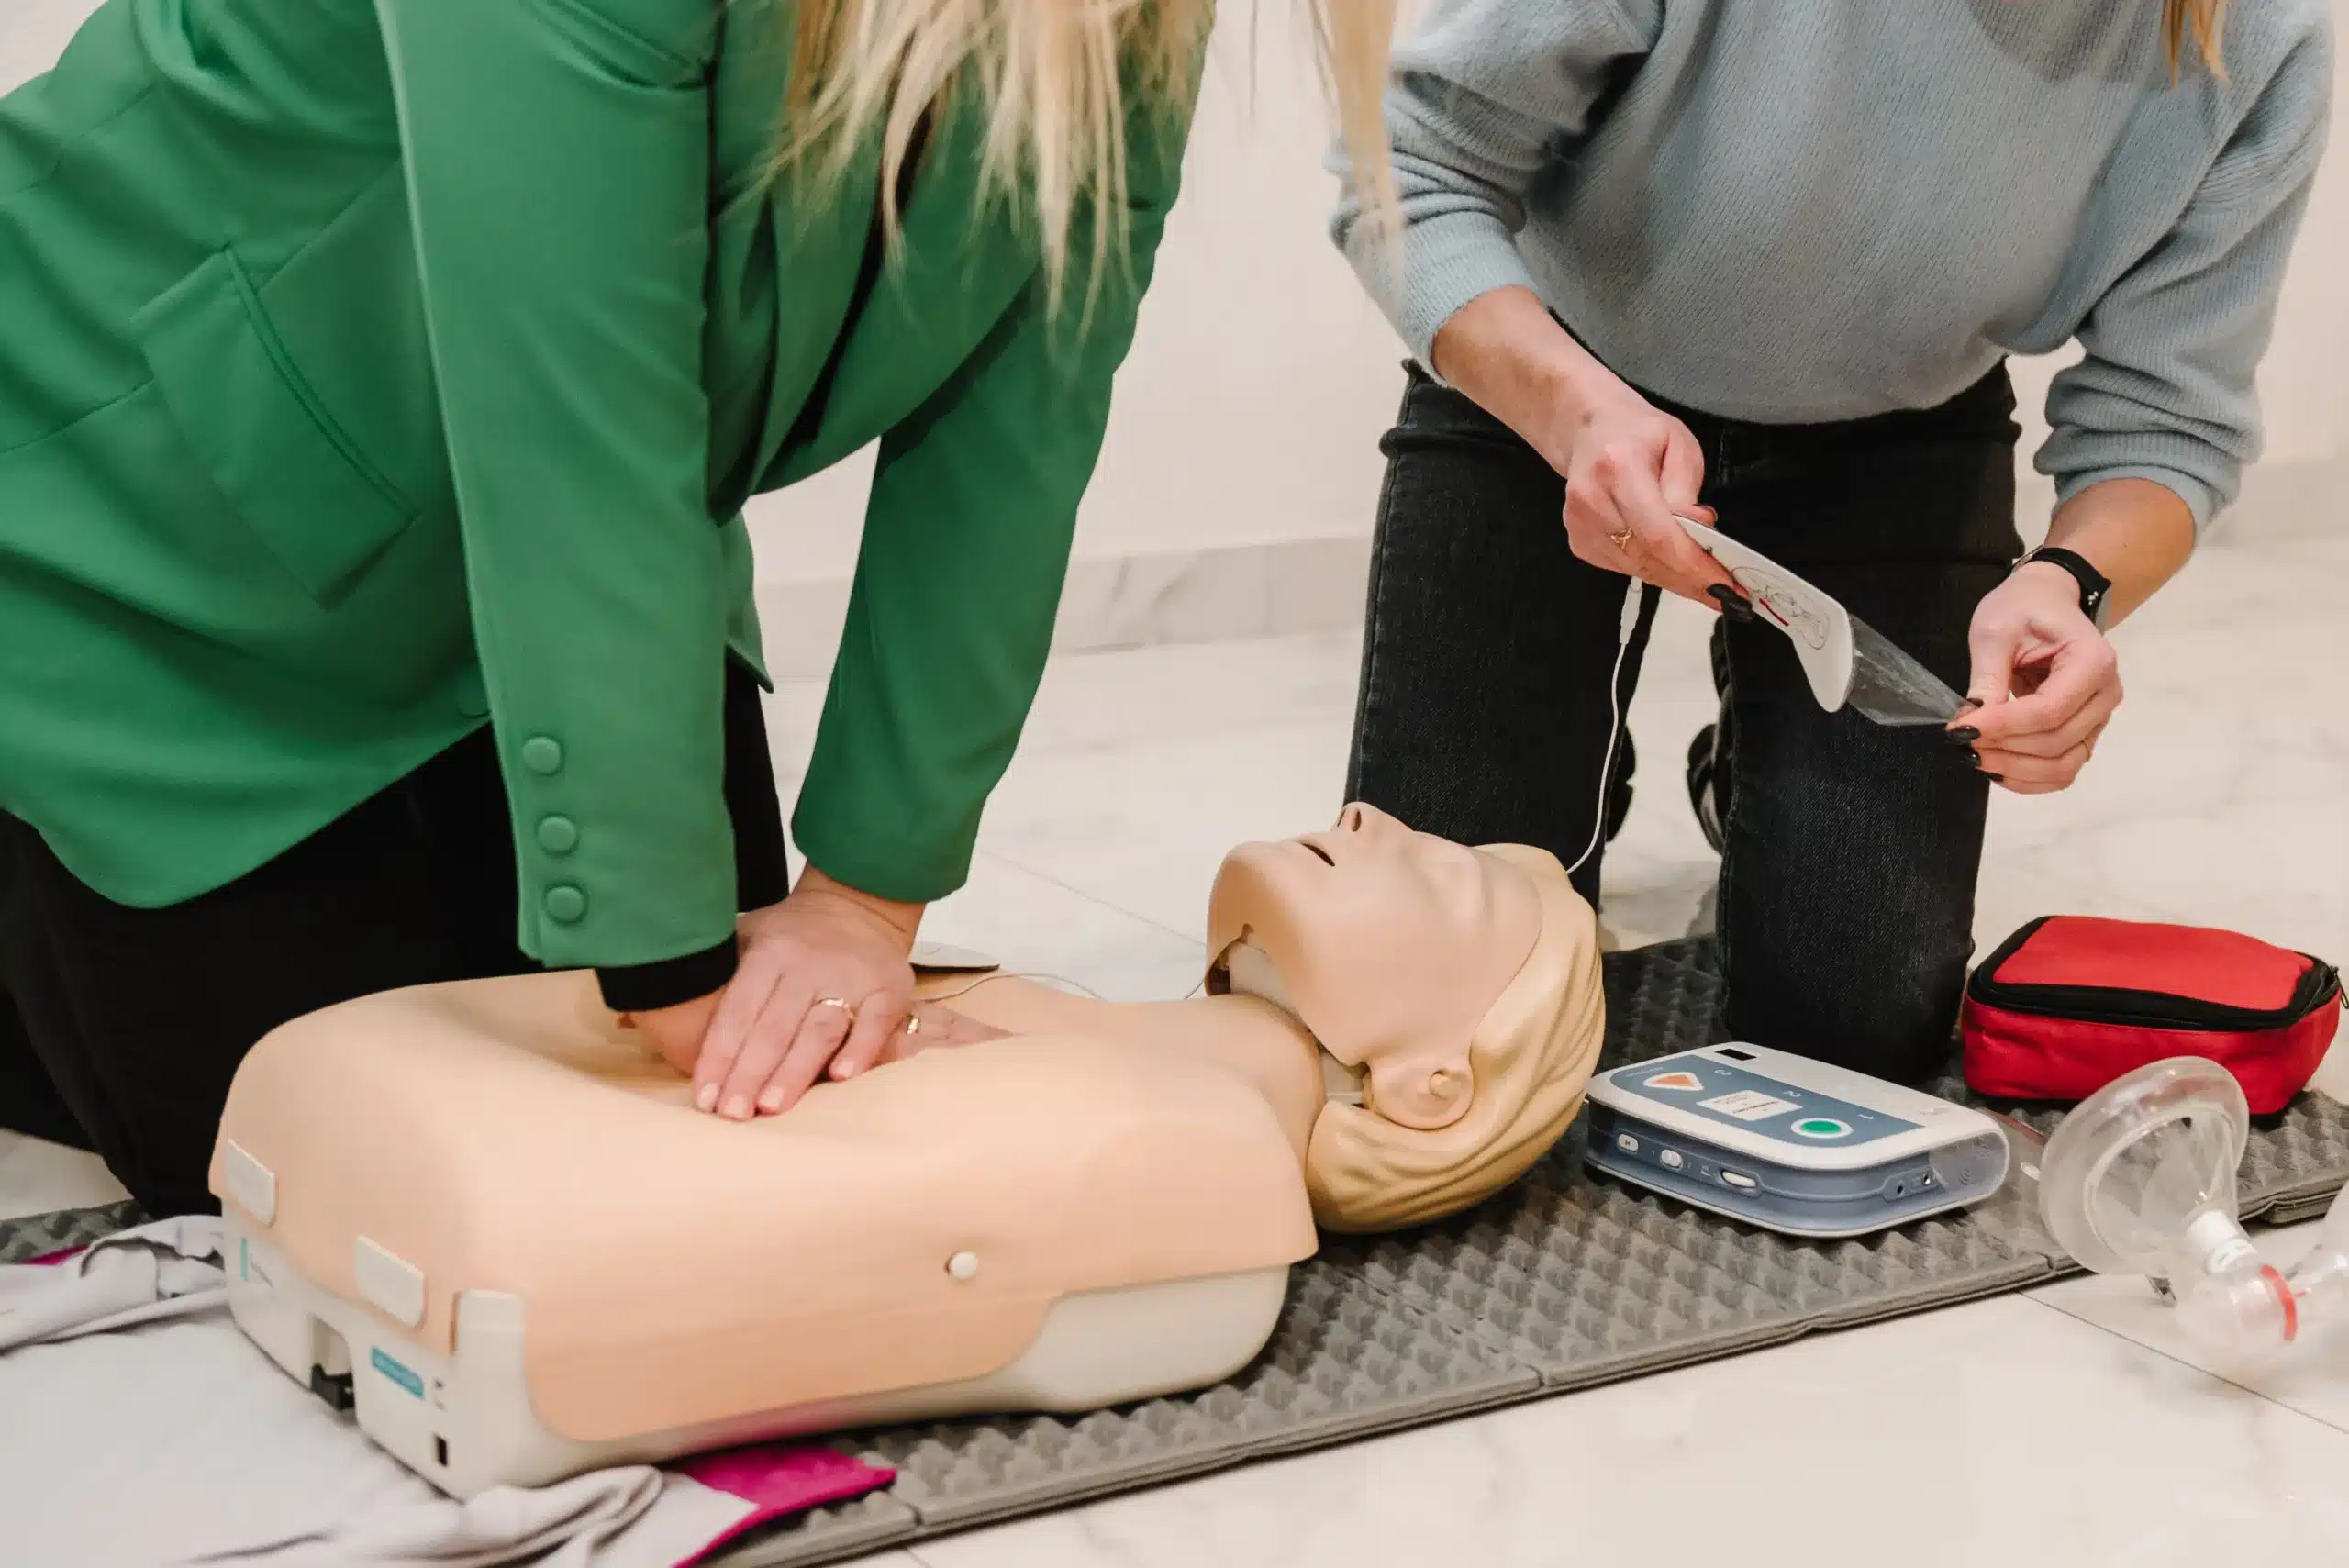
(2139, 1179)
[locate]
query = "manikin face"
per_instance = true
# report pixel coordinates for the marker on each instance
(1391, 946)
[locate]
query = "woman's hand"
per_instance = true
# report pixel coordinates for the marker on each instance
(824, 986)
(1630, 468)
(2045, 680)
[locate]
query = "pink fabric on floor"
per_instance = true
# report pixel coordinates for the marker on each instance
(51, 1260)
(779, 1481)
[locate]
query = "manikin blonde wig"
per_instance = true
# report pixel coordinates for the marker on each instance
(1061, 81)
(1530, 1059)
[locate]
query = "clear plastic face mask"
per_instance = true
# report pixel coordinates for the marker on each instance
(2139, 1179)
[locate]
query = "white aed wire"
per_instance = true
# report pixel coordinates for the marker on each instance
(1060, 982)
(1634, 595)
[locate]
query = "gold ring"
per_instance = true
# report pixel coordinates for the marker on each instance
(1621, 542)
(843, 1006)
(912, 1026)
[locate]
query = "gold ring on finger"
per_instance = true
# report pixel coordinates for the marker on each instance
(843, 1006)
(912, 1026)
(1621, 542)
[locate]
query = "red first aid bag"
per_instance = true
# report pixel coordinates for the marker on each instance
(2069, 1003)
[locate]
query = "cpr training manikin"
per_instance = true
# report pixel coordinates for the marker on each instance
(489, 1213)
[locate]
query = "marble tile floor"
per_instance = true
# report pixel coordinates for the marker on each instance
(2068, 1425)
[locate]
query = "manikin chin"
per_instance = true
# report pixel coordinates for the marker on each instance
(491, 1215)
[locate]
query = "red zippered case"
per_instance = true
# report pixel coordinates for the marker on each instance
(2070, 1001)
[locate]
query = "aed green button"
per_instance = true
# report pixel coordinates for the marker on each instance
(1822, 1127)
(542, 754)
(566, 904)
(558, 835)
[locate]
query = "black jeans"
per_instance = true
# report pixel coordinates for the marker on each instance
(133, 1021)
(1847, 881)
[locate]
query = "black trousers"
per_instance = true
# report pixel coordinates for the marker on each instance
(1847, 879)
(121, 1028)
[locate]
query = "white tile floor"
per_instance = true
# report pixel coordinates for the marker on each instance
(2067, 1426)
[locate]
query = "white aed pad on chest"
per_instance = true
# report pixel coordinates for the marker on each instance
(1789, 1144)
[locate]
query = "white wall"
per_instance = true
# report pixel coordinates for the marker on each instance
(32, 32)
(2304, 385)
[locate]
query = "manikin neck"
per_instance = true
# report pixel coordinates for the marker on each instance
(1251, 1037)
(1249, 971)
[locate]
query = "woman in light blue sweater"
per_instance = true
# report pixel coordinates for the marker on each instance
(1763, 262)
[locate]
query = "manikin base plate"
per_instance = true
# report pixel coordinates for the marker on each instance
(1565, 1282)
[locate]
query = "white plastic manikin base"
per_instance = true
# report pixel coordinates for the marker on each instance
(465, 1422)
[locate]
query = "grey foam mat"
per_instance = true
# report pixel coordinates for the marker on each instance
(37, 1236)
(825, 1535)
(1565, 1282)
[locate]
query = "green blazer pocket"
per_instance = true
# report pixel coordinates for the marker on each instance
(268, 443)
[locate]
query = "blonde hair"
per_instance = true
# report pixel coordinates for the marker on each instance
(1530, 1059)
(1060, 80)
(2208, 19)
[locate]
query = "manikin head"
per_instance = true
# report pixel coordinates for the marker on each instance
(1461, 986)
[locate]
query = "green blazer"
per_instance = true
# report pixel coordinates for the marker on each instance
(370, 369)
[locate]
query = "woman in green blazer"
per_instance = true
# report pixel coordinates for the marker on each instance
(381, 384)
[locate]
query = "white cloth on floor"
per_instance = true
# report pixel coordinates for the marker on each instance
(138, 1428)
(171, 1269)
(603, 1520)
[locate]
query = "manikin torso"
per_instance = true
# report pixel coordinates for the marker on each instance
(897, 1245)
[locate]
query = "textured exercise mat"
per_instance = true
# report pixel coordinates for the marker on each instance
(42, 1235)
(1567, 1281)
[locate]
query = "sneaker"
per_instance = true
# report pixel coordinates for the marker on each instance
(1704, 768)
(1618, 785)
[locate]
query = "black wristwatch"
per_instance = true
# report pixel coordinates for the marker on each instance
(2096, 588)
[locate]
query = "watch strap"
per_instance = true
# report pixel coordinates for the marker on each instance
(2094, 586)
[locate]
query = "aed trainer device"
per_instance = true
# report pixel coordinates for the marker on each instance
(1789, 1144)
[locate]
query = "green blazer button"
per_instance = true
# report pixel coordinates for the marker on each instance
(542, 754)
(566, 904)
(558, 835)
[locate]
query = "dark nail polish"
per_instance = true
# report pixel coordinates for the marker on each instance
(1973, 756)
(1963, 735)
(1970, 704)
(1733, 604)
(1995, 778)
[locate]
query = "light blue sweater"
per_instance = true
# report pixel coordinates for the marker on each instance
(1801, 210)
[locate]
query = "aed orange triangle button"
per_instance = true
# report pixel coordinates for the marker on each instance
(1684, 1082)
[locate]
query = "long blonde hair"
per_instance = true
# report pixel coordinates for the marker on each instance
(1060, 80)
(2208, 18)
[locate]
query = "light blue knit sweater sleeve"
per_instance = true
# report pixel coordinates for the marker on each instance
(1516, 80)
(2165, 390)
